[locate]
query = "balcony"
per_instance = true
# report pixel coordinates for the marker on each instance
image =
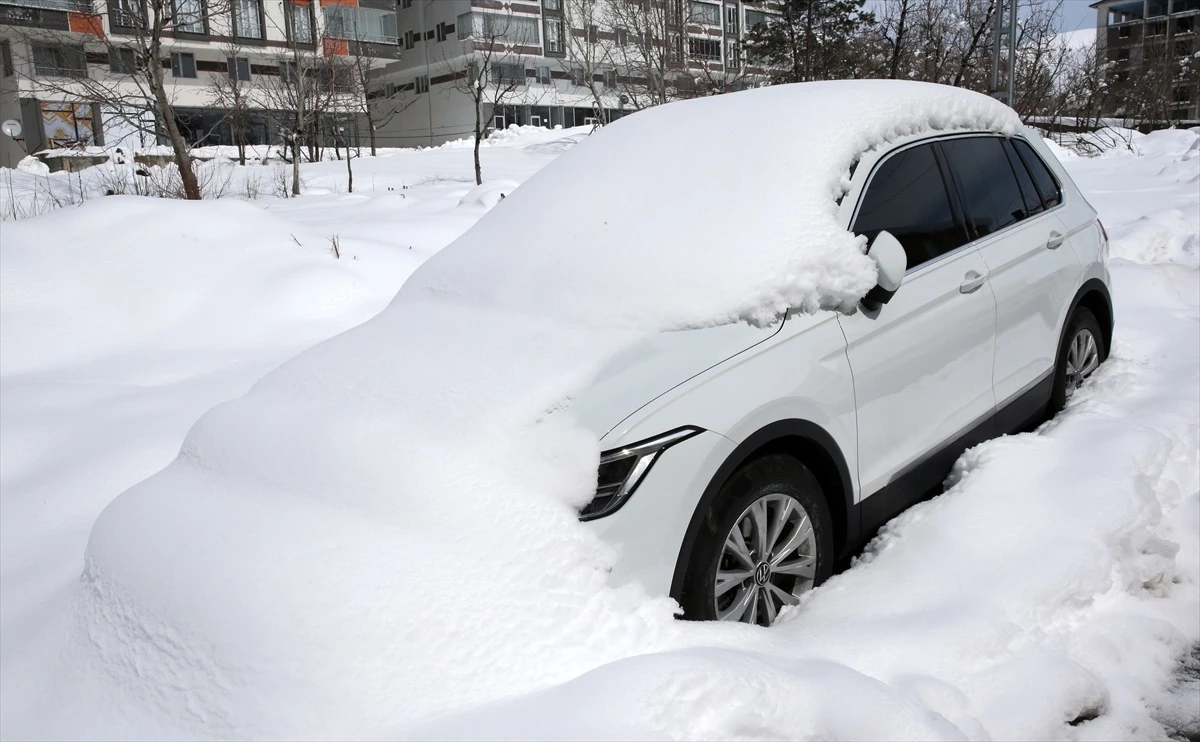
(78, 6)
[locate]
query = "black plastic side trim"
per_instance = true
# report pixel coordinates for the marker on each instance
(781, 429)
(1094, 285)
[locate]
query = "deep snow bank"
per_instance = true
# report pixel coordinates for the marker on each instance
(85, 286)
(385, 526)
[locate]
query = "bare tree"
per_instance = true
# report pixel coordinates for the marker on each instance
(377, 103)
(649, 49)
(591, 43)
(492, 73)
(310, 84)
(135, 87)
(233, 93)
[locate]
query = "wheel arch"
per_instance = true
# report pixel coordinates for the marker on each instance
(1094, 295)
(807, 442)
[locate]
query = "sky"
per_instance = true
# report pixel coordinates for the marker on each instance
(1076, 14)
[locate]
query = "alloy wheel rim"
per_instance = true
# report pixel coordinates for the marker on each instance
(769, 557)
(1083, 356)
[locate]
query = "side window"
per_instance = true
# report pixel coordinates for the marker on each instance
(1046, 184)
(907, 197)
(1029, 192)
(991, 198)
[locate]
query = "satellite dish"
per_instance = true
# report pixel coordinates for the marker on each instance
(11, 128)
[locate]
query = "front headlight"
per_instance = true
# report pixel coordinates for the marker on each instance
(623, 469)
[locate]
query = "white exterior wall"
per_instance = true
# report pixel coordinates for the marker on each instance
(445, 113)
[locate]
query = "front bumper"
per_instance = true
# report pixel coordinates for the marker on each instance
(648, 530)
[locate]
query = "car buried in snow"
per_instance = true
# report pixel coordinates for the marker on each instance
(742, 461)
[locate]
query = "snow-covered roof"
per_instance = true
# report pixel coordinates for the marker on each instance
(699, 212)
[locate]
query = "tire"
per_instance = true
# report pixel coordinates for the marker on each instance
(1074, 341)
(768, 487)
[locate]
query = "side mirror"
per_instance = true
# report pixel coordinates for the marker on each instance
(891, 261)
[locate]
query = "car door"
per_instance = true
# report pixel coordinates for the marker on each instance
(922, 363)
(1032, 269)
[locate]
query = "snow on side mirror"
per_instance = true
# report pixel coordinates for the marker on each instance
(891, 262)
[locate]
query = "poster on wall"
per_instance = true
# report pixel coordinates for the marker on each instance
(67, 124)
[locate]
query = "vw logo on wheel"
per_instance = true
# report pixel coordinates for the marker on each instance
(762, 573)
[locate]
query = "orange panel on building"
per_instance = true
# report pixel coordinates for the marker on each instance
(352, 3)
(335, 47)
(85, 23)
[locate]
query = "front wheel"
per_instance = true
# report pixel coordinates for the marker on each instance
(767, 540)
(1081, 353)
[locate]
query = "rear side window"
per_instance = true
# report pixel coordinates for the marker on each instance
(990, 194)
(1029, 192)
(907, 197)
(1046, 184)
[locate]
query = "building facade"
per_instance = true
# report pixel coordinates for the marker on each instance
(72, 69)
(555, 62)
(1137, 38)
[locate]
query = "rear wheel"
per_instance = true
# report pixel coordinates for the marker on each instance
(767, 540)
(1081, 353)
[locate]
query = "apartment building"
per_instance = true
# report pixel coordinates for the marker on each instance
(539, 57)
(59, 55)
(1131, 34)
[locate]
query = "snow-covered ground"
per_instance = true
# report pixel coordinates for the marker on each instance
(1051, 593)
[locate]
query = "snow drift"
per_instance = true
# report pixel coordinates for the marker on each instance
(386, 525)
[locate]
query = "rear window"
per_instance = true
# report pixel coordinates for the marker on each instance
(907, 197)
(990, 194)
(1046, 184)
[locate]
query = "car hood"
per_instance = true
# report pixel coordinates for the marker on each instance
(648, 369)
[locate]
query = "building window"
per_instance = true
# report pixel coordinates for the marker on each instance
(189, 16)
(610, 79)
(735, 55)
(506, 74)
(247, 19)
(552, 4)
(1123, 55)
(441, 32)
(239, 68)
(1185, 25)
(543, 75)
(755, 17)
(287, 73)
(577, 76)
(1156, 28)
(706, 14)
(59, 61)
(1125, 32)
(122, 61)
(405, 5)
(704, 48)
(731, 19)
(361, 24)
(505, 27)
(422, 84)
(300, 22)
(622, 36)
(125, 13)
(6, 58)
(409, 39)
(183, 65)
(554, 36)
(1183, 95)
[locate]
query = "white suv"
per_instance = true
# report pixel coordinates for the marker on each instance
(763, 455)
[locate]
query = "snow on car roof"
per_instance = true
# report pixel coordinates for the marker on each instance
(700, 212)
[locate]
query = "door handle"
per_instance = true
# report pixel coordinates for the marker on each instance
(971, 282)
(1055, 241)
